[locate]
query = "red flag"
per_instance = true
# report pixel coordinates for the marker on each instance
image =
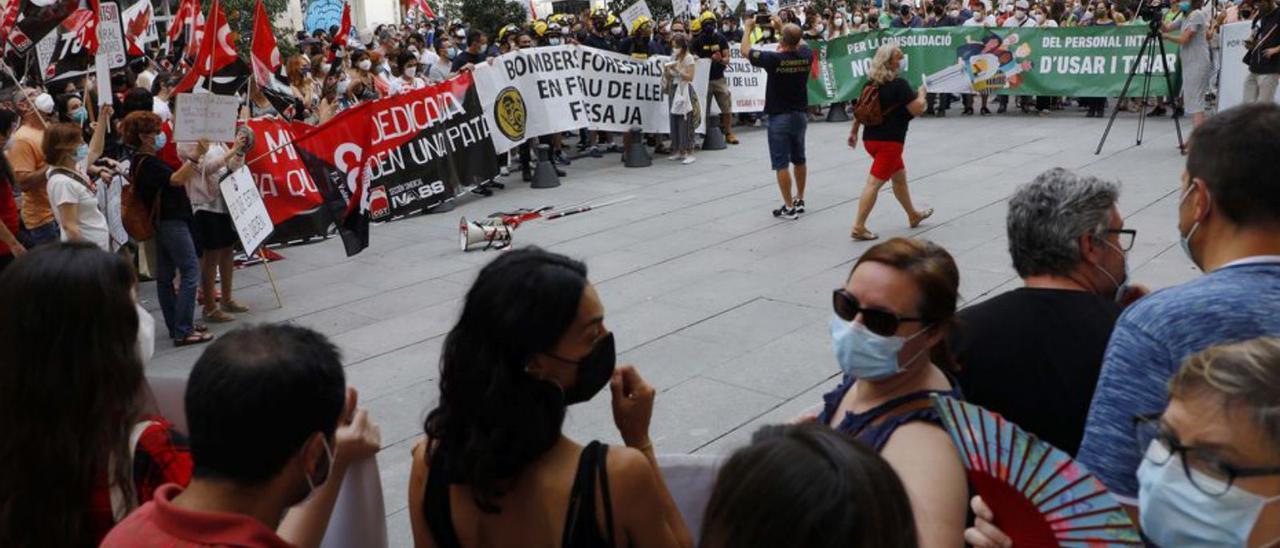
(426, 9)
(84, 24)
(182, 20)
(216, 50)
(266, 56)
(344, 30)
(9, 16)
(137, 20)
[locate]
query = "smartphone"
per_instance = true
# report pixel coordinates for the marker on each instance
(762, 18)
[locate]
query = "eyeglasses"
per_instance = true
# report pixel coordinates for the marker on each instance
(1208, 473)
(1125, 235)
(880, 322)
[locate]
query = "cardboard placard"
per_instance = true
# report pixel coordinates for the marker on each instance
(248, 211)
(205, 116)
(635, 11)
(110, 35)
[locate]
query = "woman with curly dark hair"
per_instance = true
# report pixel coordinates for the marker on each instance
(495, 468)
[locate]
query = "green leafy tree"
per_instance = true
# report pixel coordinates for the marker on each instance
(240, 16)
(488, 15)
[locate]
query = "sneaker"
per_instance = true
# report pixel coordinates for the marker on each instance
(786, 213)
(595, 151)
(689, 160)
(503, 171)
(482, 191)
(731, 139)
(798, 205)
(562, 159)
(676, 157)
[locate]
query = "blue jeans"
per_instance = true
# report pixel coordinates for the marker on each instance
(176, 255)
(48, 233)
(786, 139)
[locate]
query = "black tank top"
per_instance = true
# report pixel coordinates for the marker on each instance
(580, 527)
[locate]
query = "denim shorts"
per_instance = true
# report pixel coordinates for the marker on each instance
(786, 139)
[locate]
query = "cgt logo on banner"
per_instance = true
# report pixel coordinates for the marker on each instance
(399, 155)
(545, 90)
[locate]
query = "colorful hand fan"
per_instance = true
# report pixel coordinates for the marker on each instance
(1039, 495)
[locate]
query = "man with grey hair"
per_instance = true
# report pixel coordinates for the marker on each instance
(1033, 354)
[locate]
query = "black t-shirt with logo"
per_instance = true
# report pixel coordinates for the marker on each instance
(706, 44)
(465, 57)
(788, 87)
(894, 97)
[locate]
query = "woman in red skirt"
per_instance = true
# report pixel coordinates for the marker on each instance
(898, 104)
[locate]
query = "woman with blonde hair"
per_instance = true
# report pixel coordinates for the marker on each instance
(884, 141)
(1210, 474)
(71, 187)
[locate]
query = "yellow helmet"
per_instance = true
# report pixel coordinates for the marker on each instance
(555, 18)
(641, 22)
(612, 20)
(706, 16)
(504, 31)
(539, 28)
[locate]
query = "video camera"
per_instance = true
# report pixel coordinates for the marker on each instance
(1152, 11)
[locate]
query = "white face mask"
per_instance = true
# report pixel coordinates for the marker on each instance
(821, 29)
(553, 41)
(953, 14)
(146, 333)
(326, 67)
(364, 64)
(1174, 512)
(839, 22)
(617, 31)
(857, 19)
(411, 71)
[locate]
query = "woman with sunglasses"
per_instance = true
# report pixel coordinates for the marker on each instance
(889, 333)
(1210, 475)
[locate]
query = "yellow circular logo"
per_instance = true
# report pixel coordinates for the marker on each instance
(510, 113)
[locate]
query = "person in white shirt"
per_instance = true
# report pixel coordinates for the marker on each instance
(442, 69)
(72, 191)
(215, 232)
(410, 75)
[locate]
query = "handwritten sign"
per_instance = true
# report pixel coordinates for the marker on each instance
(205, 116)
(248, 211)
(636, 11)
(110, 35)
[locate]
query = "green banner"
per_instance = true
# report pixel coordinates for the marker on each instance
(1066, 62)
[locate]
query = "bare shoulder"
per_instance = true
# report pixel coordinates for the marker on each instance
(627, 466)
(421, 460)
(921, 443)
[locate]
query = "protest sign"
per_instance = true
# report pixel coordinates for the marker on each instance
(1234, 70)
(621, 92)
(1074, 62)
(246, 208)
(635, 11)
(206, 116)
(531, 92)
(109, 203)
(747, 83)
(545, 90)
(110, 35)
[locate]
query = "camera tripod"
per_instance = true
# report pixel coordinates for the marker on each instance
(1150, 45)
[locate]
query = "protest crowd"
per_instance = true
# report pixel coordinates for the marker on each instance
(1170, 399)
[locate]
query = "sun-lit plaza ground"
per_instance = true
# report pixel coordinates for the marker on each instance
(722, 307)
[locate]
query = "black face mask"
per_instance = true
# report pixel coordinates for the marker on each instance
(594, 371)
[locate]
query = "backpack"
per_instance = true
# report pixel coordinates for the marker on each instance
(139, 220)
(868, 112)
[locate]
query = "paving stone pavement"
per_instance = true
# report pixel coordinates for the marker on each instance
(721, 306)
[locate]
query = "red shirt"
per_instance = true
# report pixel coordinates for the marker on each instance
(8, 209)
(161, 524)
(160, 457)
(170, 151)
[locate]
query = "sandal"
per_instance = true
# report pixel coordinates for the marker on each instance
(234, 307)
(194, 338)
(923, 215)
(217, 316)
(864, 235)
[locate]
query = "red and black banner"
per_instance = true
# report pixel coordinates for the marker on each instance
(398, 155)
(292, 198)
(36, 19)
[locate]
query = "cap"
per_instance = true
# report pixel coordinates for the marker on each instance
(44, 103)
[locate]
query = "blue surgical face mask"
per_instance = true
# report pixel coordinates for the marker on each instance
(866, 355)
(1122, 282)
(1184, 6)
(453, 52)
(1184, 240)
(160, 141)
(82, 153)
(1174, 512)
(79, 116)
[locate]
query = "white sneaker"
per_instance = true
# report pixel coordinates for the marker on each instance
(689, 160)
(503, 171)
(675, 157)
